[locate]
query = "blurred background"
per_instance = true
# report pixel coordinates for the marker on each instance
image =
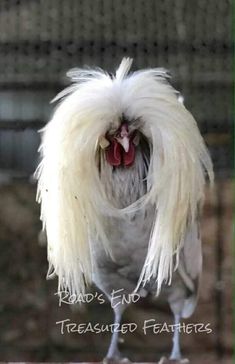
(40, 40)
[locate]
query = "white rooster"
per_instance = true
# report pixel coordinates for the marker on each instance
(121, 183)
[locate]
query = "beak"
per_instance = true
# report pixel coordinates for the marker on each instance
(125, 143)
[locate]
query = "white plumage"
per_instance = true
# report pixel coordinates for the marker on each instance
(80, 193)
(74, 203)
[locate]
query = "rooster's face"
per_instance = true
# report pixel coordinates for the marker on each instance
(120, 145)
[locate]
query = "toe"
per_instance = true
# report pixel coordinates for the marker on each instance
(116, 360)
(165, 360)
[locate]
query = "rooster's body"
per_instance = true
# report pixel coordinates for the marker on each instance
(129, 243)
(121, 184)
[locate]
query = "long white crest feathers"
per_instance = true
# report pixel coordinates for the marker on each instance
(73, 201)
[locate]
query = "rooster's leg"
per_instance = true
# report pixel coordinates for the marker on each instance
(176, 353)
(113, 351)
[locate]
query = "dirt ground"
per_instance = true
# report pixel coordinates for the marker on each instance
(29, 308)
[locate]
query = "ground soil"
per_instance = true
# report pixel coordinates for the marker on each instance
(29, 308)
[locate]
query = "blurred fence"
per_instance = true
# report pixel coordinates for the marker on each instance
(41, 39)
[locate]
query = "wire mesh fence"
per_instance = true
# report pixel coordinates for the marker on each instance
(41, 40)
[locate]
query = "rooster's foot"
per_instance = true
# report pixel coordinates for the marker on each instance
(116, 360)
(164, 360)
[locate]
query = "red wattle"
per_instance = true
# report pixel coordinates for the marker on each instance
(114, 154)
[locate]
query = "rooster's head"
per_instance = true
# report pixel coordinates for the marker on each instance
(120, 146)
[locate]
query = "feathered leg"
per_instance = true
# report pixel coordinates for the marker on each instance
(113, 354)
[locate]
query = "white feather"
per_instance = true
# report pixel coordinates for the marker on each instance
(74, 203)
